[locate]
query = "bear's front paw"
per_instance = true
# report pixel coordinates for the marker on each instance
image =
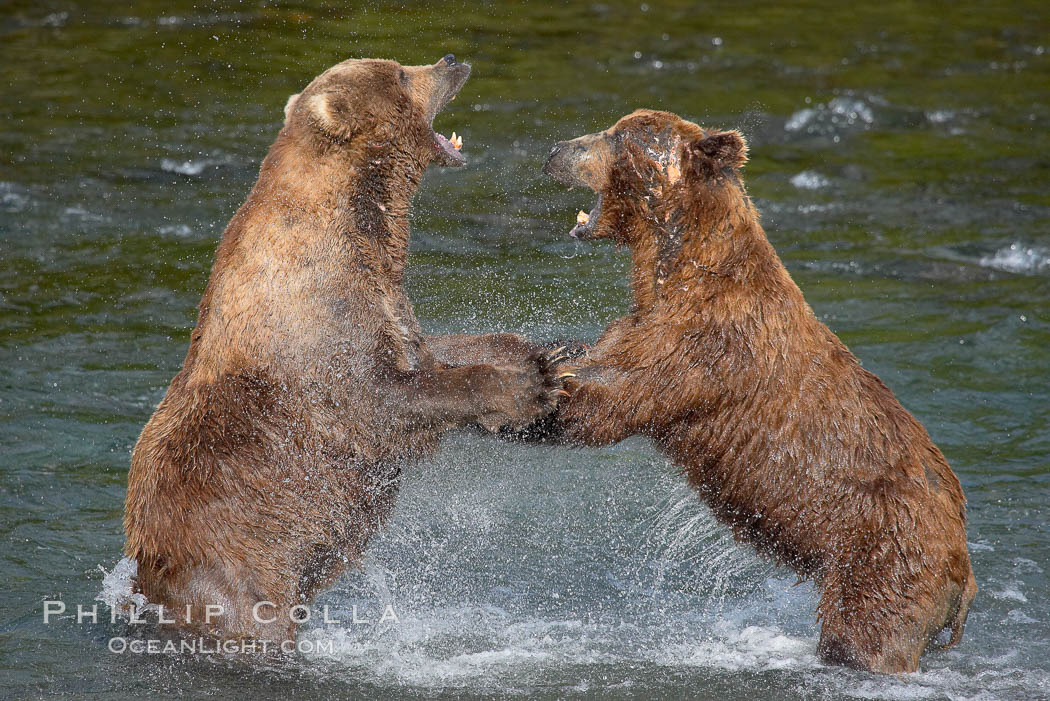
(571, 349)
(528, 392)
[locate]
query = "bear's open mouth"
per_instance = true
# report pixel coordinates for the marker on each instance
(451, 78)
(587, 223)
(448, 149)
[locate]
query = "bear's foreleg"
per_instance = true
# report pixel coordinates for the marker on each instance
(457, 350)
(492, 396)
(605, 406)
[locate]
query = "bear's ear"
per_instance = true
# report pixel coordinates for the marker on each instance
(329, 111)
(290, 105)
(338, 117)
(723, 149)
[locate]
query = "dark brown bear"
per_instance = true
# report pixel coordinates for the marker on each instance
(277, 450)
(805, 454)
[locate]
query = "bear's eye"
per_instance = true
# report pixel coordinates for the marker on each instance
(403, 77)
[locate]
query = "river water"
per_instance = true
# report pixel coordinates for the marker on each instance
(899, 157)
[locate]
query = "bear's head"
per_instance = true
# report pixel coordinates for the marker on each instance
(643, 169)
(373, 106)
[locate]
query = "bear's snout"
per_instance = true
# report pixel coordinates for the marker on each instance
(562, 161)
(581, 162)
(551, 166)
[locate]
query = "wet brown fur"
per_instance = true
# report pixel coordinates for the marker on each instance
(806, 455)
(277, 451)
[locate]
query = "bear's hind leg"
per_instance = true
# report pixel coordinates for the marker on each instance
(954, 607)
(864, 648)
(875, 621)
(862, 627)
(235, 605)
(963, 610)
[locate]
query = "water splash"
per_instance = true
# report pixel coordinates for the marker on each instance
(684, 536)
(118, 590)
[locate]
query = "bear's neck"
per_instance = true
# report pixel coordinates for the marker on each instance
(374, 207)
(712, 248)
(360, 199)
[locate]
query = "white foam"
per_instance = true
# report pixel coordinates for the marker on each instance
(837, 115)
(1019, 616)
(55, 19)
(13, 197)
(179, 230)
(1023, 564)
(996, 681)
(809, 180)
(811, 208)
(83, 214)
(853, 110)
(752, 648)
(800, 119)
(1019, 258)
(196, 166)
(185, 167)
(940, 116)
(421, 650)
(1011, 594)
(891, 690)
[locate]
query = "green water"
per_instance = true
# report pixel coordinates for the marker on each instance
(900, 158)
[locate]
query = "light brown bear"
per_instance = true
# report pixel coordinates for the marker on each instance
(277, 451)
(806, 455)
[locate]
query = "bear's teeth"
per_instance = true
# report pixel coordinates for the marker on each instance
(582, 218)
(456, 141)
